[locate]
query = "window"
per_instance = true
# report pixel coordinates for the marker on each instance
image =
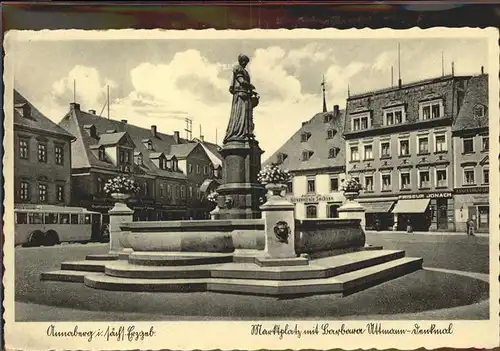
(468, 145)
(354, 153)
(386, 182)
(124, 157)
(364, 122)
(145, 188)
(161, 190)
(368, 183)
(289, 187)
(50, 218)
(311, 186)
(432, 109)
(102, 154)
(334, 184)
(42, 192)
(59, 153)
(368, 152)
(311, 211)
(35, 218)
(393, 116)
(479, 111)
(441, 178)
(21, 218)
(281, 157)
(183, 191)
(86, 219)
(333, 211)
(424, 179)
(486, 176)
(423, 145)
(405, 180)
(330, 133)
(205, 170)
(60, 192)
(42, 152)
(74, 218)
(64, 218)
(138, 159)
(385, 149)
(440, 143)
(100, 185)
(486, 143)
(150, 145)
(469, 176)
(333, 152)
(404, 147)
(190, 191)
(190, 168)
(356, 124)
(305, 155)
(169, 191)
(24, 149)
(198, 169)
(398, 117)
(24, 192)
(304, 137)
(389, 118)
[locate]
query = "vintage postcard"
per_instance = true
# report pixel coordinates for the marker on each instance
(261, 189)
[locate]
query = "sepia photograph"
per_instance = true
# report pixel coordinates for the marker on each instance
(300, 185)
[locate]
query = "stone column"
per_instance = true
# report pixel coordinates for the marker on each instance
(279, 222)
(119, 214)
(353, 210)
(240, 192)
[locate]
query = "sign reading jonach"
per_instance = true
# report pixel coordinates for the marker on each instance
(445, 195)
(315, 198)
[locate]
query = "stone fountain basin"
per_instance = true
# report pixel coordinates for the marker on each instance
(311, 236)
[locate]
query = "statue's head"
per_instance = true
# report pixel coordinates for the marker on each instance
(243, 60)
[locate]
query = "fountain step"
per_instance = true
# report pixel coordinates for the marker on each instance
(64, 276)
(102, 257)
(128, 270)
(341, 284)
(178, 258)
(87, 266)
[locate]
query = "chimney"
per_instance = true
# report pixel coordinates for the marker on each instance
(153, 130)
(176, 137)
(202, 138)
(74, 106)
(400, 83)
(482, 69)
(335, 110)
(124, 121)
(92, 112)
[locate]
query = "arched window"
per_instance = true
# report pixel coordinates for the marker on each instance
(311, 211)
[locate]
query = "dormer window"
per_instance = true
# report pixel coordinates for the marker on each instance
(124, 157)
(431, 109)
(24, 109)
(282, 157)
(162, 163)
(479, 111)
(361, 121)
(101, 154)
(304, 137)
(306, 155)
(175, 166)
(148, 144)
(138, 159)
(394, 115)
(331, 133)
(327, 118)
(333, 152)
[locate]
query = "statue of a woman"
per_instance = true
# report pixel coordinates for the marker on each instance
(245, 98)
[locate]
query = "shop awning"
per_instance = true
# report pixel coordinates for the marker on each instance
(377, 207)
(411, 206)
(207, 183)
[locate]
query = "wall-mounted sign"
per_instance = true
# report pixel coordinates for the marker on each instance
(474, 190)
(442, 195)
(315, 198)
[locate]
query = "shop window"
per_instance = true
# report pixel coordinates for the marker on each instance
(354, 153)
(405, 180)
(440, 143)
(469, 176)
(311, 186)
(333, 211)
(369, 183)
(404, 147)
(368, 152)
(311, 211)
(423, 145)
(386, 182)
(441, 178)
(334, 184)
(424, 182)
(385, 149)
(468, 145)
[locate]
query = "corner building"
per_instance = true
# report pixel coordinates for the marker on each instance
(399, 146)
(315, 156)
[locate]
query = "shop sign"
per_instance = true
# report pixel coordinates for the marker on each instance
(474, 190)
(314, 198)
(443, 195)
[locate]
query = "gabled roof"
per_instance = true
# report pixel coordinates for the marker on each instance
(111, 138)
(37, 120)
(213, 152)
(154, 155)
(317, 143)
(182, 150)
(476, 94)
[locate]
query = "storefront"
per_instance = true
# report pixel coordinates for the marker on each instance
(472, 204)
(378, 214)
(316, 205)
(425, 212)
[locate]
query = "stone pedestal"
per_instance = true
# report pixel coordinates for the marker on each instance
(279, 228)
(240, 192)
(353, 210)
(119, 214)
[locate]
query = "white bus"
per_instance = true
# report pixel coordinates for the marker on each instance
(50, 225)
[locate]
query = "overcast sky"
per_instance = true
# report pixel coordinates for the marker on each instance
(163, 81)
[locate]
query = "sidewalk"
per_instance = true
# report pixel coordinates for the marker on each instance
(484, 235)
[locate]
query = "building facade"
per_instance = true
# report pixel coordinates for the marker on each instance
(159, 162)
(42, 163)
(399, 146)
(471, 155)
(315, 157)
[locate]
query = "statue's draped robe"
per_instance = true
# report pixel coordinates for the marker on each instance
(240, 125)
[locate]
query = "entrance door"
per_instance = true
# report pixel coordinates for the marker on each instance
(484, 217)
(442, 214)
(333, 211)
